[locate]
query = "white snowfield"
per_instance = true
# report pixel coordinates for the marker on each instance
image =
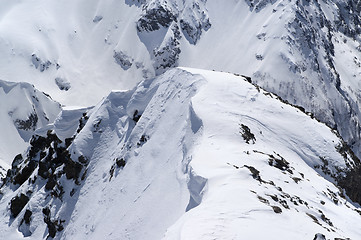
(211, 157)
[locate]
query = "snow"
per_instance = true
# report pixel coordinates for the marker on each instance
(229, 209)
(188, 171)
(78, 49)
(18, 102)
(270, 41)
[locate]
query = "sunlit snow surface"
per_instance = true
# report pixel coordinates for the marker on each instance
(195, 176)
(307, 52)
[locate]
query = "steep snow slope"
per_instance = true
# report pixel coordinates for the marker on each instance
(78, 51)
(23, 109)
(66, 48)
(189, 154)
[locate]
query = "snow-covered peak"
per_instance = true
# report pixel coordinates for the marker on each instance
(191, 154)
(23, 109)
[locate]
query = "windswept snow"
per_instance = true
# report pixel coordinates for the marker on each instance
(191, 154)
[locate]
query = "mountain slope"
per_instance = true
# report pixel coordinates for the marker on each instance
(188, 148)
(307, 52)
(23, 109)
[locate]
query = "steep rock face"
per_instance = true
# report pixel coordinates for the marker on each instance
(155, 17)
(348, 18)
(166, 55)
(311, 36)
(190, 17)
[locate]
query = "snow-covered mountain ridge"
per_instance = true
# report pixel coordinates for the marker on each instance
(307, 52)
(242, 162)
(23, 109)
(180, 153)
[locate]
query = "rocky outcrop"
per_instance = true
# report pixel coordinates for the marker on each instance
(28, 124)
(40, 64)
(156, 17)
(123, 59)
(194, 21)
(167, 55)
(48, 161)
(62, 84)
(189, 18)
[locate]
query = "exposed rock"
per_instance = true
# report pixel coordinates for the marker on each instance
(24, 174)
(276, 209)
(97, 19)
(247, 135)
(82, 122)
(280, 163)
(27, 216)
(194, 21)
(62, 84)
(352, 184)
(40, 64)
(54, 226)
(349, 24)
(136, 116)
(258, 5)
(143, 139)
(319, 236)
(24, 225)
(28, 124)
(167, 55)
(72, 169)
(17, 160)
(120, 162)
(254, 172)
(17, 204)
(154, 18)
(123, 60)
